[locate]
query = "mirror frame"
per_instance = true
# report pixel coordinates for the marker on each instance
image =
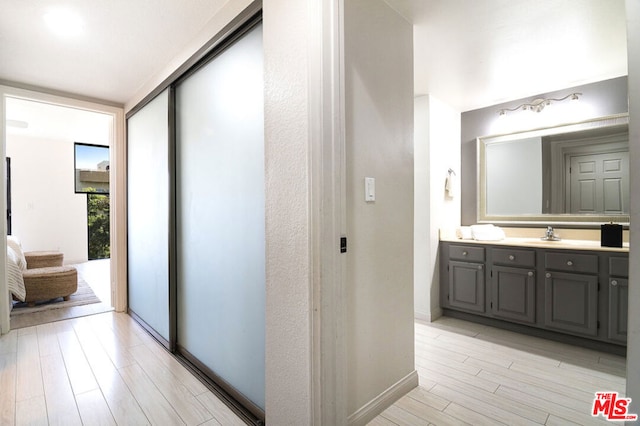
(543, 219)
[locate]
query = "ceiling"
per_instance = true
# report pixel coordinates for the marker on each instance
(57, 123)
(468, 53)
(119, 45)
(476, 53)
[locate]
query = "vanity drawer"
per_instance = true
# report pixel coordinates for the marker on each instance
(471, 254)
(514, 257)
(571, 262)
(619, 266)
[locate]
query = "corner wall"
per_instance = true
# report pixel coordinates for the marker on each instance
(437, 131)
(633, 337)
(379, 144)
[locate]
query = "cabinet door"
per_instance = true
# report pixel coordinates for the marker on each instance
(466, 286)
(618, 304)
(571, 302)
(514, 292)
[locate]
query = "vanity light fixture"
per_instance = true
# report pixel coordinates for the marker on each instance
(538, 105)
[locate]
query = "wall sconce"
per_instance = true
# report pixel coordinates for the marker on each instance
(538, 105)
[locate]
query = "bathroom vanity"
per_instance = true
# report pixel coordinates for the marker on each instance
(569, 290)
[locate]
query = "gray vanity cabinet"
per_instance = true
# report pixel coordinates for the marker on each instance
(571, 292)
(466, 273)
(582, 293)
(513, 287)
(571, 302)
(618, 288)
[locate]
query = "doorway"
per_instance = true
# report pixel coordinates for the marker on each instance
(46, 213)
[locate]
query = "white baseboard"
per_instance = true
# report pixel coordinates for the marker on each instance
(422, 316)
(383, 401)
(435, 314)
(428, 316)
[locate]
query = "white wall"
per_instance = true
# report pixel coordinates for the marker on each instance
(633, 337)
(379, 144)
(46, 212)
(437, 148)
(289, 280)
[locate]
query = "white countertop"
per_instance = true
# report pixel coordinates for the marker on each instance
(539, 243)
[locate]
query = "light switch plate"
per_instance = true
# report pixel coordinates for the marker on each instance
(369, 189)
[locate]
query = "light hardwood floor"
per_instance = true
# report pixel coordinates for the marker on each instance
(479, 375)
(105, 369)
(99, 370)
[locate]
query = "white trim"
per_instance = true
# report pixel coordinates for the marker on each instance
(5, 299)
(422, 316)
(328, 221)
(383, 401)
(118, 218)
(428, 316)
(435, 314)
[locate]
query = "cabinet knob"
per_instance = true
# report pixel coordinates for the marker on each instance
(480, 267)
(548, 275)
(569, 263)
(614, 282)
(464, 253)
(512, 257)
(530, 273)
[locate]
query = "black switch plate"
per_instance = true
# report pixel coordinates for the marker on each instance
(343, 244)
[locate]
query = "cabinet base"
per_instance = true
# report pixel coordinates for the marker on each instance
(536, 332)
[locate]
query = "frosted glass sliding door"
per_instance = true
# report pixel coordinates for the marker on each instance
(220, 216)
(148, 214)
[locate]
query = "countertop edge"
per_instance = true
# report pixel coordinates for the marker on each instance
(553, 245)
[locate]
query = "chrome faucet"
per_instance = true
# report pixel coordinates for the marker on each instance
(550, 235)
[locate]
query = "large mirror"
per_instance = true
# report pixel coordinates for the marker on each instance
(560, 175)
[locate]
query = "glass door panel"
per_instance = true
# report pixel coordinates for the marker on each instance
(220, 216)
(148, 214)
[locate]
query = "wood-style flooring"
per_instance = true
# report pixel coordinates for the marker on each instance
(479, 375)
(105, 369)
(99, 370)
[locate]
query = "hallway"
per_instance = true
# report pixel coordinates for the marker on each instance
(99, 369)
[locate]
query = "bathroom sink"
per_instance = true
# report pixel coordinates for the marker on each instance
(537, 241)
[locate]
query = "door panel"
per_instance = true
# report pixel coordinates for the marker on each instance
(220, 216)
(514, 291)
(571, 302)
(466, 286)
(618, 308)
(148, 216)
(599, 183)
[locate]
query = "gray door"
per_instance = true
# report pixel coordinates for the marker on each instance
(514, 293)
(599, 183)
(618, 305)
(466, 286)
(571, 302)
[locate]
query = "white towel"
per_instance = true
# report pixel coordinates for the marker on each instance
(487, 233)
(464, 233)
(450, 185)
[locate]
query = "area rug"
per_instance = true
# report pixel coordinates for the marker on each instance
(83, 296)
